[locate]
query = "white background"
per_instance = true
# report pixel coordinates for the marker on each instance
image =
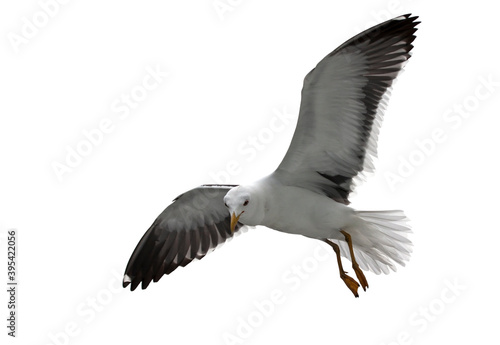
(229, 74)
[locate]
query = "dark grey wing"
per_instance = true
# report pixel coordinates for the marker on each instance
(189, 228)
(343, 99)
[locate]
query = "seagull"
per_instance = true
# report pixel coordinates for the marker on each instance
(332, 149)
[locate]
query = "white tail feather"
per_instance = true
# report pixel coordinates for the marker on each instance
(380, 239)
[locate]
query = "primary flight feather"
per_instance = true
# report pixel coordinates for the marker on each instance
(334, 143)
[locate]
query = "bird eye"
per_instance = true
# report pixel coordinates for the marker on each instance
(245, 203)
(226, 205)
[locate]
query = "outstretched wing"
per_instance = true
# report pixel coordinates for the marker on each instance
(192, 226)
(342, 103)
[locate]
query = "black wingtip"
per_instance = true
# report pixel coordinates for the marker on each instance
(134, 284)
(411, 19)
(145, 283)
(405, 16)
(126, 280)
(404, 24)
(163, 249)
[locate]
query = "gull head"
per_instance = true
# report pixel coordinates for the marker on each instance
(244, 205)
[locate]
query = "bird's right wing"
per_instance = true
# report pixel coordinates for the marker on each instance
(343, 100)
(189, 228)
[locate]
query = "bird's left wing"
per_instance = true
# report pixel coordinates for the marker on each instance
(340, 113)
(189, 228)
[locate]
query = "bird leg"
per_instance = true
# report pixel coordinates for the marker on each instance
(355, 266)
(350, 282)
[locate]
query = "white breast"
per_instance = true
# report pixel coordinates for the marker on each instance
(300, 211)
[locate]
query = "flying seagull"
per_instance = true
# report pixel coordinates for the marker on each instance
(334, 144)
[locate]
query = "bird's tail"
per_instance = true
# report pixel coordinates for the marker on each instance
(380, 239)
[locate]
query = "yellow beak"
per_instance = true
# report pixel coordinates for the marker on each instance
(234, 221)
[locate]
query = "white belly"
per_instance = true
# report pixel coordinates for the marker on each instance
(300, 211)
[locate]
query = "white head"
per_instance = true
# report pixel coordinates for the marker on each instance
(244, 205)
